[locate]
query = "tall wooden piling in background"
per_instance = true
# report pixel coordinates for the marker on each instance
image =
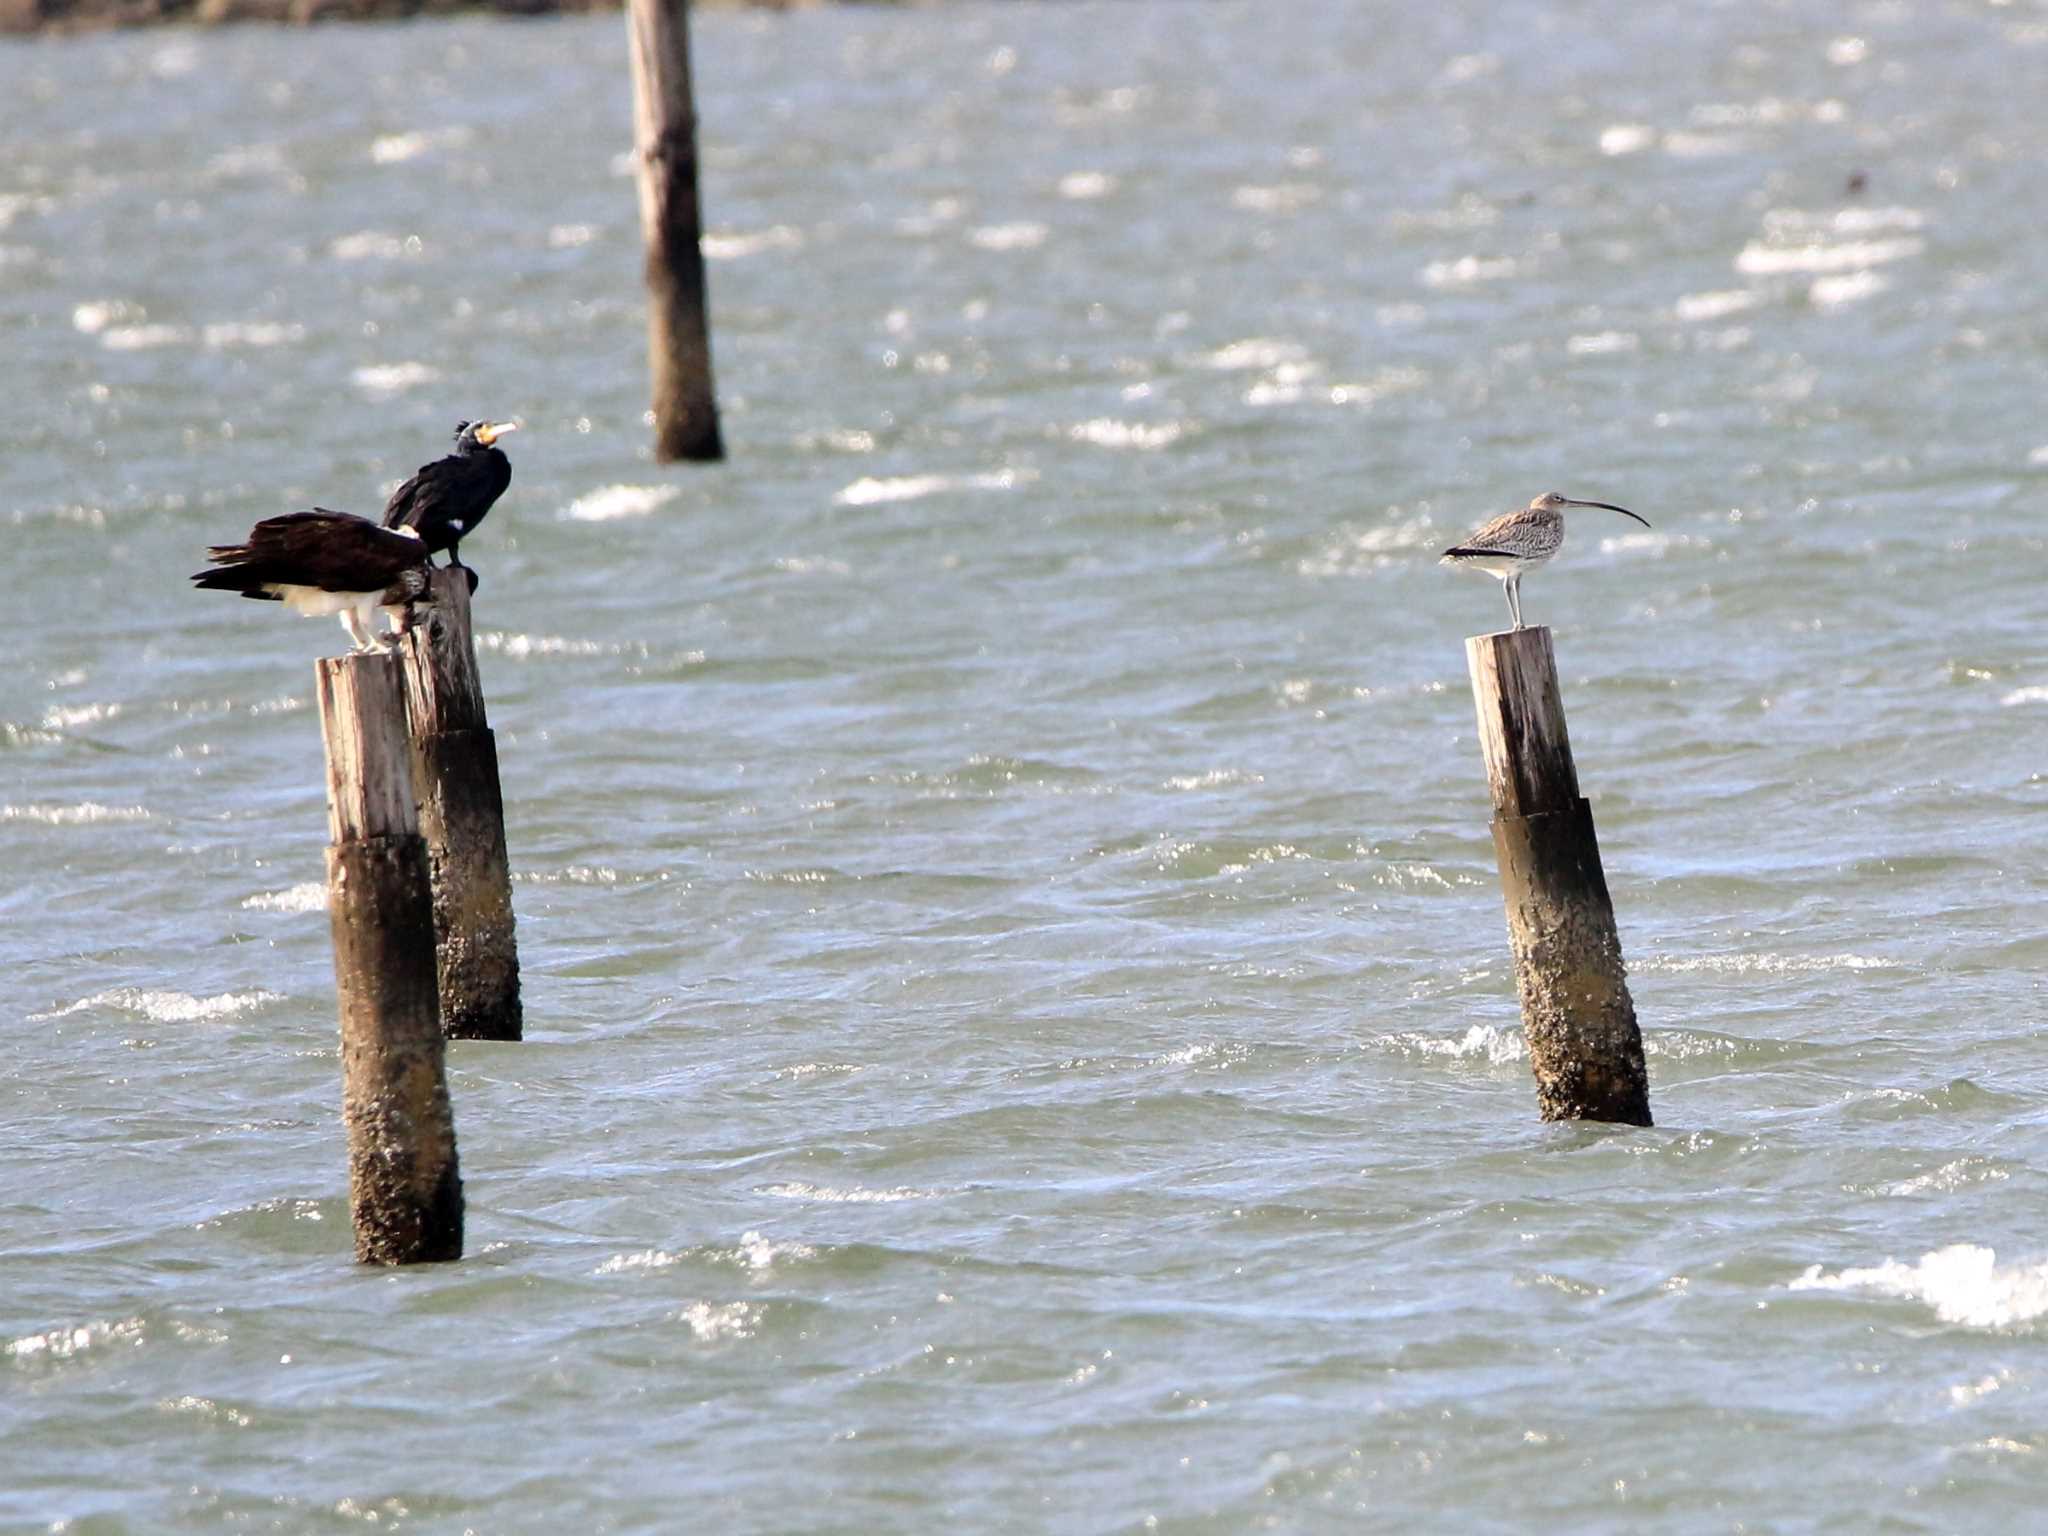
(462, 817)
(405, 1189)
(1577, 1016)
(665, 149)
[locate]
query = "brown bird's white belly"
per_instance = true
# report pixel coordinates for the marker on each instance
(314, 600)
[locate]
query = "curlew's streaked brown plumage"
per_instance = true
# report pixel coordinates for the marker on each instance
(1515, 543)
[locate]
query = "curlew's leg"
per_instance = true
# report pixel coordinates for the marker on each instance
(1514, 590)
(352, 621)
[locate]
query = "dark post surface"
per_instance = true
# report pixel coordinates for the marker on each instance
(462, 816)
(1584, 1044)
(405, 1188)
(665, 144)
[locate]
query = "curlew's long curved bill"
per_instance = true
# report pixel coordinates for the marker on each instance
(1607, 506)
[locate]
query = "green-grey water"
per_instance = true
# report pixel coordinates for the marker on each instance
(1020, 1036)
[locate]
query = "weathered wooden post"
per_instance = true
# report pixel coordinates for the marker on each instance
(405, 1191)
(665, 145)
(462, 816)
(1577, 1016)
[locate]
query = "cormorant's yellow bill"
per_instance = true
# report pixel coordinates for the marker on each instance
(491, 431)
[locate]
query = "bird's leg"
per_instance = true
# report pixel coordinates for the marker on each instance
(353, 622)
(1514, 590)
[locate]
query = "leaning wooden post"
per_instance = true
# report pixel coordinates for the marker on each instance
(405, 1191)
(462, 816)
(665, 146)
(1576, 1012)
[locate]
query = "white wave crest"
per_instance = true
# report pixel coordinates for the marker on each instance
(869, 491)
(374, 245)
(63, 1343)
(83, 814)
(167, 1007)
(758, 1252)
(1256, 352)
(63, 717)
(709, 1323)
(1948, 1178)
(799, 1191)
(519, 647)
(309, 897)
(1694, 308)
(1765, 965)
(1834, 292)
(383, 380)
(1962, 1282)
(1599, 343)
(1758, 259)
(650, 1258)
(1481, 1041)
(1106, 432)
(731, 246)
(616, 501)
(140, 338)
(205, 1408)
(92, 318)
(1020, 235)
(1468, 269)
(397, 148)
(251, 333)
(1214, 778)
(754, 1252)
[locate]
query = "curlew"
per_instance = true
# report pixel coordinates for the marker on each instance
(1515, 543)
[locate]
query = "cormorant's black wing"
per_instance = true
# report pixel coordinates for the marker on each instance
(403, 509)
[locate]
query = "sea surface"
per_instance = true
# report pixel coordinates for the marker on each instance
(1020, 1036)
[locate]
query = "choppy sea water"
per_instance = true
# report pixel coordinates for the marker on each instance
(1020, 1035)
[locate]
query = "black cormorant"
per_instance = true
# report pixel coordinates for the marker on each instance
(447, 498)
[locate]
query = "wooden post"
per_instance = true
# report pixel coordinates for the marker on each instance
(1576, 1011)
(462, 816)
(665, 144)
(405, 1191)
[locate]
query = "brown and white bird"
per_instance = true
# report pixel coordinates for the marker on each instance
(1515, 543)
(326, 562)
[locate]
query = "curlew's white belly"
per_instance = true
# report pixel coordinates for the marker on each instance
(1502, 566)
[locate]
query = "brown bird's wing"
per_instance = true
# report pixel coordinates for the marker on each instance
(333, 551)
